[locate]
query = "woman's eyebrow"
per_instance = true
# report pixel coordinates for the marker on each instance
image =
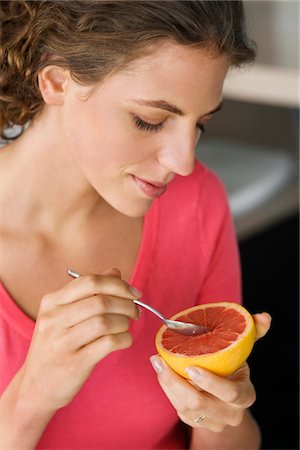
(162, 104)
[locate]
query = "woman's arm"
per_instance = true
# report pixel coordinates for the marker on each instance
(244, 437)
(22, 419)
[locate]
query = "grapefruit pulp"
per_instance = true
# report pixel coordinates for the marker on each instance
(222, 350)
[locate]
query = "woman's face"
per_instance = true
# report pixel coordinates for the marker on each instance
(132, 133)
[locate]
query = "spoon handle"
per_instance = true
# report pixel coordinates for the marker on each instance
(74, 274)
(153, 310)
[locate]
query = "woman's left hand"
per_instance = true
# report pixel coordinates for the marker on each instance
(208, 400)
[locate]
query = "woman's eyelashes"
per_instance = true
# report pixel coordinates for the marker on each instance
(146, 126)
(142, 125)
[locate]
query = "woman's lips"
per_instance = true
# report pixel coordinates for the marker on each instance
(151, 190)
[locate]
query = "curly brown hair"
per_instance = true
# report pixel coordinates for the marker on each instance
(93, 39)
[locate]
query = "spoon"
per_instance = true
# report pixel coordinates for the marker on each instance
(188, 329)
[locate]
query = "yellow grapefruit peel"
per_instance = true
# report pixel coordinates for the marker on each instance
(223, 362)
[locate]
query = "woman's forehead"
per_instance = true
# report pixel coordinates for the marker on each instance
(172, 73)
(169, 54)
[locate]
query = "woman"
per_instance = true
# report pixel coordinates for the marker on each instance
(103, 180)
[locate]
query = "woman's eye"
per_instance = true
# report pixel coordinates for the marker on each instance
(142, 125)
(146, 126)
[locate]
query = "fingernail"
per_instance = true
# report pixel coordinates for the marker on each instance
(194, 373)
(139, 312)
(134, 291)
(157, 364)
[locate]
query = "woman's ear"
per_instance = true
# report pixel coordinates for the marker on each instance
(53, 82)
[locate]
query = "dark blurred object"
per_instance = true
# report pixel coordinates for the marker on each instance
(270, 264)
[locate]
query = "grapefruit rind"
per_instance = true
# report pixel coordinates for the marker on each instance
(223, 362)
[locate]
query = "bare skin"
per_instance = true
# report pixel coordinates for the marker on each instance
(70, 199)
(224, 402)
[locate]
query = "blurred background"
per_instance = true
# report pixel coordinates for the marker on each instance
(253, 145)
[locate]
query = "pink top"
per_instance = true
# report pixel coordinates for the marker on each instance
(188, 255)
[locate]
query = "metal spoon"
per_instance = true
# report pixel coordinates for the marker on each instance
(188, 329)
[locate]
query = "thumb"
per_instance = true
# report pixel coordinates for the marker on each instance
(262, 323)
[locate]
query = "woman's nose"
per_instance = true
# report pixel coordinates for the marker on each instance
(178, 155)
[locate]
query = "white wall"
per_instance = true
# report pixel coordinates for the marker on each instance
(274, 25)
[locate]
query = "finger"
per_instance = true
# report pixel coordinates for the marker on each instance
(96, 327)
(262, 323)
(74, 313)
(174, 386)
(99, 349)
(89, 285)
(236, 389)
(114, 272)
(205, 422)
(186, 399)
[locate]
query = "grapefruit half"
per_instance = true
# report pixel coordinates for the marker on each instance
(222, 350)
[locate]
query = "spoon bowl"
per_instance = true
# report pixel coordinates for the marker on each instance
(186, 328)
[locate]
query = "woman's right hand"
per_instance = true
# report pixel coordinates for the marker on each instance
(77, 326)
